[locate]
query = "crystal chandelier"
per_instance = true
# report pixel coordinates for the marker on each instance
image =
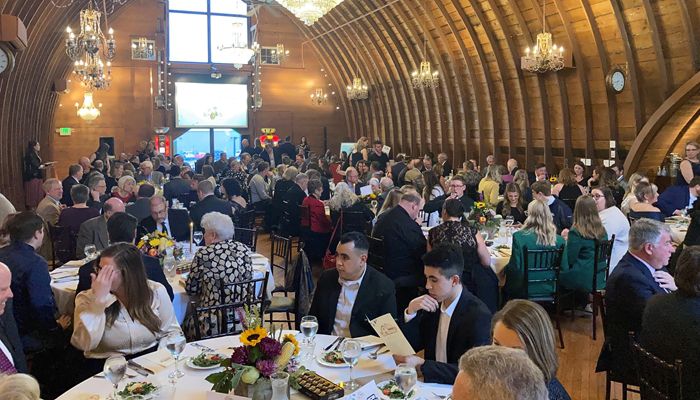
(309, 11)
(545, 56)
(318, 97)
(239, 49)
(87, 49)
(88, 111)
(425, 77)
(142, 49)
(357, 91)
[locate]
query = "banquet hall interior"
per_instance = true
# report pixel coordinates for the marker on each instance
(461, 167)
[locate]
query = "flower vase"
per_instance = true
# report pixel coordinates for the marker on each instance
(260, 390)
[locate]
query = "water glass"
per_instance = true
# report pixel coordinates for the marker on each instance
(406, 378)
(90, 251)
(114, 370)
(309, 327)
(175, 344)
(280, 386)
(197, 237)
(351, 351)
(307, 348)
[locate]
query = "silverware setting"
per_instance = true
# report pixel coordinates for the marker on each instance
(373, 355)
(140, 368)
(337, 346)
(332, 344)
(202, 347)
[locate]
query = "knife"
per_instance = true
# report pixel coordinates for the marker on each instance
(332, 344)
(140, 368)
(337, 346)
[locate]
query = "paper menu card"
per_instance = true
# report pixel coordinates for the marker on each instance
(367, 392)
(393, 338)
(386, 149)
(366, 190)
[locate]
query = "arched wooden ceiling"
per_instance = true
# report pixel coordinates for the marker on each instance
(485, 103)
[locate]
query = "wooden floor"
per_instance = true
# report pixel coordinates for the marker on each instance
(576, 361)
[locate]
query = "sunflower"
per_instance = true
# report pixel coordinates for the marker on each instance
(291, 339)
(480, 204)
(553, 179)
(154, 242)
(252, 337)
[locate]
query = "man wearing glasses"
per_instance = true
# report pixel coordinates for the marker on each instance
(456, 191)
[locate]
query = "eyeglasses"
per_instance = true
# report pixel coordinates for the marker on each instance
(597, 196)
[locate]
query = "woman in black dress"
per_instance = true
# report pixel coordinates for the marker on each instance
(690, 166)
(580, 174)
(513, 205)
(33, 175)
(478, 276)
(567, 189)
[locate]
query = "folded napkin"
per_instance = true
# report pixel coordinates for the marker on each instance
(76, 263)
(63, 273)
(156, 361)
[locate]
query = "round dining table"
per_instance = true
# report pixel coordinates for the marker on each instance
(193, 386)
(500, 249)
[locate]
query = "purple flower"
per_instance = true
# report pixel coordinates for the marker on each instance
(266, 367)
(270, 347)
(240, 355)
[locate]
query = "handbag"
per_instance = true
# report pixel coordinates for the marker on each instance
(329, 258)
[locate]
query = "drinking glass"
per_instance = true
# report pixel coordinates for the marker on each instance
(114, 370)
(485, 235)
(406, 378)
(309, 327)
(280, 386)
(509, 221)
(90, 251)
(351, 350)
(175, 343)
(197, 237)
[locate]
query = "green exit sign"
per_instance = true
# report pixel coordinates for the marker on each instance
(64, 131)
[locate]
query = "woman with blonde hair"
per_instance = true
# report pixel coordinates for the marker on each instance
(580, 248)
(538, 233)
(525, 325)
(567, 189)
(489, 186)
(523, 181)
(690, 166)
(126, 187)
(630, 198)
(647, 194)
(359, 151)
(19, 387)
(345, 201)
(392, 199)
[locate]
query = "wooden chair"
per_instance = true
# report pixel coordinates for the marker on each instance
(542, 267)
(223, 318)
(63, 247)
(375, 258)
(248, 237)
(280, 255)
(602, 253)
(246, 219)
(299, 270)
(354, 221)
(658, 380)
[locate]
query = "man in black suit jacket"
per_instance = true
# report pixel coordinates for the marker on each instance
(346, 297)
(447, 321)
(208, 203)
(446, 166)
(456, 191)
(9, 336)
(75, 174)
(291, 201)
(176, 223)
(287, 148)
(142, 206)
(176, 186)
(404, 244)
(562, 214)
(639, 275)
(397, 168)
(121, 227)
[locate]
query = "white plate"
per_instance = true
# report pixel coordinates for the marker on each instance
(150, 396)
(325, 363)
(414, 391)
(191, 365)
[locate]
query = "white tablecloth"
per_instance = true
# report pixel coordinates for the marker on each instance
(678, 230)
(499, 260)
(193, 386)
(64, 292)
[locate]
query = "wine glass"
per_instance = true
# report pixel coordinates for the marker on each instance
(197, 237)
(406, 378)
(90, 251)
(309, 327)
(509, 221)
(175, 343)
(351, 350)
(114, 370)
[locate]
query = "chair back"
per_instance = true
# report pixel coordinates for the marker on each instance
(280, 252)
(246, 219)
(541, 267)
(354, 221)
(658, 380)
(375, 257)
(225, 319)
(305, 216)
(248, 237)
(63, 244)
(601, 260)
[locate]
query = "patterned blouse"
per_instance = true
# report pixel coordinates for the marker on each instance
(459, 233)
(228, 260)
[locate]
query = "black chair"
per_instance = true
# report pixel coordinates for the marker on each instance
(601, 255)
(658, 380)
(281, 257)
(63, 245)
(248, 237)
(304, 226)
(375, 257)
(354, 221)
(223, 319)
(246, 219)
(280, 254)
(542, 267)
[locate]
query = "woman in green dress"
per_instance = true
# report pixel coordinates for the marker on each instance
(538, 232)
(580, 248)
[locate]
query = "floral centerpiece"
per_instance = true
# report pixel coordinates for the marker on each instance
(553, 180)
(261, 354)
(484, 217)
(155, 244)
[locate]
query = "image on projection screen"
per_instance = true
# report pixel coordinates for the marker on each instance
(211, 105)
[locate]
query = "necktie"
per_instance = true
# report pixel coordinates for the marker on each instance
(6, 366)
(164, 229)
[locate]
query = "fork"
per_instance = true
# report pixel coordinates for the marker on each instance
(203, 347)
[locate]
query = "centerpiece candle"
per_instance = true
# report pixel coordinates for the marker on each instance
(191, 234)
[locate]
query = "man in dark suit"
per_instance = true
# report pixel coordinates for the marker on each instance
(397, 168)
(562, 214)
(455, 191)
(75, 174)
(404, 244)
(11, 356)
(346, 297)
(173, 222)
(446, 166)
(675, 199)
(176, 186)
(287, 148)
(447, 321)
(291, 201)
(121, 227)
(141, 208)
(638, 276)
(94, 230)
(208, 203)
